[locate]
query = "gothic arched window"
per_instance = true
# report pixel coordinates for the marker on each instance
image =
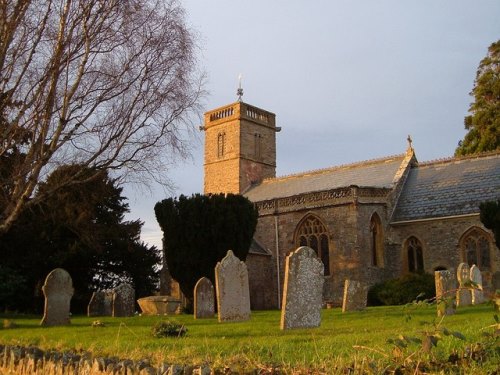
(415, 256)
(313, 233)
(475, 248)
(376, 241)
(221, 144)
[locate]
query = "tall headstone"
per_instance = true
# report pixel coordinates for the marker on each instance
(303, 290)
(464, 295)
(446, 286)
(233, 293)
(355, 295)
(123, 300)
(477, 285)
(101, 303)
(58, 290)
(204, 303)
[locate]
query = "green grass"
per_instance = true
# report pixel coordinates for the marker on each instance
(355, 338)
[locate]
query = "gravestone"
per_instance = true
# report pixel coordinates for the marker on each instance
(58, 290)
(355, 296)
(204, 304)
(477, 280)
(233, 293)
(303, 290)
(101, 303)
(123, 300)
(464, 295)
(446, 286)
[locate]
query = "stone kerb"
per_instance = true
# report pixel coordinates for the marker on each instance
(303, 290)
(204, 303)
(464, 295)
(477, 280)
(58, 290)
(355, 295)
(446, 286)
(123, 300)
(233, 293)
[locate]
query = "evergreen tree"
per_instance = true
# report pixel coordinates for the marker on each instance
(198, 231)
(490, 217)
(483, 123)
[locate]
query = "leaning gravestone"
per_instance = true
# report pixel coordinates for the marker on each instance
(303, 290)
(233, 293)
(446, 286)
(101, 303)
(204, 304)
(464, 295)
(123, 300)
(355, 296)
(58, 290)
(477, 280)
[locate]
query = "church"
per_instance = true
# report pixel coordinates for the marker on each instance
(370, 221)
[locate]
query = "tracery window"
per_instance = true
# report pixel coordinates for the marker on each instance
(415, 256)
(221, 144)
(313, 233)
(475, 246)
(376, 241)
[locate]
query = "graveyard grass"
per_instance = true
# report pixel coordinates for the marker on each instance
(349, 340)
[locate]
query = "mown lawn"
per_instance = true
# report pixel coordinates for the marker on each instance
(343, 340)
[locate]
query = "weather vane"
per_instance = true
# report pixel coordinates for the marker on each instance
(239, 92)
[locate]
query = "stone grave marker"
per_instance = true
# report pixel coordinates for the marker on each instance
(233, 293)
(464, 295)
(477, 291)
(446, 286)
(355, 295)
(58, 290)
(303, 290)
(204, 303)
(101, 303)
(123, 300)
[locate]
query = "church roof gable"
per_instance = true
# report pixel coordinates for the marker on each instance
(378, 173)
(449, 187)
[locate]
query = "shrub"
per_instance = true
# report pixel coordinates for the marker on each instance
(402, 290)
(168, 329)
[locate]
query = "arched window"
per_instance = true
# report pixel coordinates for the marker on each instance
(313, 233)
(221, 144)
(415, 256)
(475, 248)
(257, 145)
(376, 241)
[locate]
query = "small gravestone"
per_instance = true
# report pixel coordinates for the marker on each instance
(123, 300)
(464, 295)
(233, 293)
(58, 290)
(355, 296)
(477, 285)
(204, 304)
(101, 303)
(446, 286)
(303, 290)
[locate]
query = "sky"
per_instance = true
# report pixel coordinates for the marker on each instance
(348, 80)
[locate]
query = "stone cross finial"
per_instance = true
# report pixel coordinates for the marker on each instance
(409, 141)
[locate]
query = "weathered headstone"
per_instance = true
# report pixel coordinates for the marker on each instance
(204, 304)
(303, 290)
(355, 295)
(101, 303)
(233, 293)
(464, 295)
(58, 290)
(477, 285)
(123, 300)
(446, 286)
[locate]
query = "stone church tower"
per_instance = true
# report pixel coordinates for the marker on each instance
(240, 148)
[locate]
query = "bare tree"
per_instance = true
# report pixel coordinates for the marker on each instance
(107, 84)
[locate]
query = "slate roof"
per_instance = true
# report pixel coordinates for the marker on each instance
(372, 173)
(449, 188)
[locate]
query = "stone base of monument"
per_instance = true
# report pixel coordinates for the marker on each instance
(159, 305)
